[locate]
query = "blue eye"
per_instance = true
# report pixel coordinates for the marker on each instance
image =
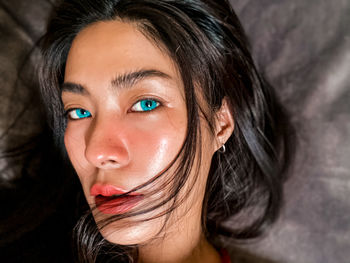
(76, 114)
(145, 105)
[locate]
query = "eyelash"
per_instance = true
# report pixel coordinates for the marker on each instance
(86, 114)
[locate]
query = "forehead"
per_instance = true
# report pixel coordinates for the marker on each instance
(104, 49)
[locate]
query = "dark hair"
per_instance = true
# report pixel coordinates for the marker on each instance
(208, 44)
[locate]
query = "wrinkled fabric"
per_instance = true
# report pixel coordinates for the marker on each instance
(304, 49)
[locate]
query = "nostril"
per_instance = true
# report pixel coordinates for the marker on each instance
(109, 164)
(108, 161)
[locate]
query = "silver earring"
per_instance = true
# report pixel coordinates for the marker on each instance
(222, 149)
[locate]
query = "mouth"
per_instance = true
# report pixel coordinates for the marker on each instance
(112, 200)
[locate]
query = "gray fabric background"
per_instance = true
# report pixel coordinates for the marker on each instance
(304, 49)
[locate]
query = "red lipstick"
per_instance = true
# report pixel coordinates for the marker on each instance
(109, 201)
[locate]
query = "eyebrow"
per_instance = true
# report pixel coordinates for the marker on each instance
(130, 79)
(73, 88)
(123, 81)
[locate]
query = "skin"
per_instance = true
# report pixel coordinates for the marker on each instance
(120, 146)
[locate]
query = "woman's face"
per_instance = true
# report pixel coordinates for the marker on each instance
(127, 121)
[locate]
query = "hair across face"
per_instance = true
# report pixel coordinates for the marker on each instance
(207, 46)
(127, 122)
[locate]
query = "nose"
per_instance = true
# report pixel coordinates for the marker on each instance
(106, 145)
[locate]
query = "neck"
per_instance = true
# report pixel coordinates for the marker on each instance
(183, 241)
(163, 252)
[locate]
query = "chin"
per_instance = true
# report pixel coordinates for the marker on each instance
(132, 233)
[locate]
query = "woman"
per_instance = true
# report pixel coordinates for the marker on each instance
(168, 125)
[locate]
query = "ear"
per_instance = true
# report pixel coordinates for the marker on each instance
(224, 125)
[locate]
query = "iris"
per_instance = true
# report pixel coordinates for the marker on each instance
(79, 114)
(145, 105)
(148, 104)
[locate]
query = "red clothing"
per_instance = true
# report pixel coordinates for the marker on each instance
(225, 257)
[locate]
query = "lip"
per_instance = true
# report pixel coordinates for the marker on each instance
(118, 205)
(108, 190)
(110, 205)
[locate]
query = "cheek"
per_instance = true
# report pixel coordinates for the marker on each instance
(154, 145)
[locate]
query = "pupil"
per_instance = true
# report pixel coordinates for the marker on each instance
(148, 104)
